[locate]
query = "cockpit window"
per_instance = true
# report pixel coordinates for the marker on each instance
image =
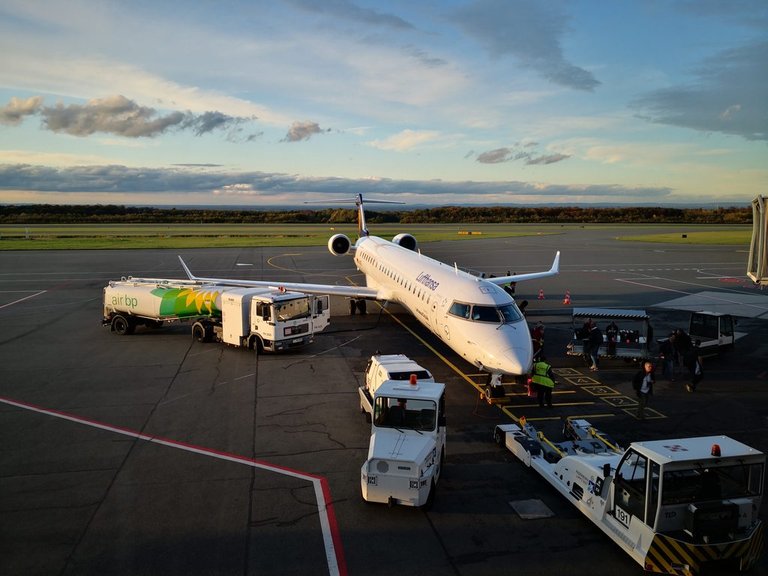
(485, 314)
(459, 309)
(481, 313)
(511, 313)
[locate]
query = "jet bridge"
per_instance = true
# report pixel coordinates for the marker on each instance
(757, 267)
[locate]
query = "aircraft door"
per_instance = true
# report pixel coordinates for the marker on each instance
(435, 319)
(440, 319)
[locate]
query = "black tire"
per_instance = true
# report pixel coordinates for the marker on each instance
(122, 326)
(199, 332)
(498, 436)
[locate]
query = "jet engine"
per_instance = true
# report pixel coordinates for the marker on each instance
(406, 241)
(339, 244)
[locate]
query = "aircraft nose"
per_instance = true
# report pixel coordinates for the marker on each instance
(514, 360)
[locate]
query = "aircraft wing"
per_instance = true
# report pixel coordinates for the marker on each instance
(555, 269)
(349, 291)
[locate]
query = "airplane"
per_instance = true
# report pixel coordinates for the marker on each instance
(474, 316)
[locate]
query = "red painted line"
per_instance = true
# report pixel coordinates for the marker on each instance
(334, 528)
(337, 565)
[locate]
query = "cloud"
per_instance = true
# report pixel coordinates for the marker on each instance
(528, 31)
(303, 131)
(728, 95)
(14, 112)
(176, 180)
(116, 115)
(405, 140)
(526, 152)
(349, 11)
(547, 159)
(112, 115)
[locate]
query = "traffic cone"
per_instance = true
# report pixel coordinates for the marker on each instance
(567, 299)
(541, 294)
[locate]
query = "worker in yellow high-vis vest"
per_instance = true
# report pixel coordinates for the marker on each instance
(544, 380)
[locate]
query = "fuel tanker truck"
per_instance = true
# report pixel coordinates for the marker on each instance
(265, 319)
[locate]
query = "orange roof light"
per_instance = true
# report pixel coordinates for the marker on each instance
(716, 450)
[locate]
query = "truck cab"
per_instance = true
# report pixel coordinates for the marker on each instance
(408, 433)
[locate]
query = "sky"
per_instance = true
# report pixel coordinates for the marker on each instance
(435, 102)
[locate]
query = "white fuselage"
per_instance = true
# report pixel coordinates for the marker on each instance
(476, 318)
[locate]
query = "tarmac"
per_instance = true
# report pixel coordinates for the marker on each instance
(156, 454)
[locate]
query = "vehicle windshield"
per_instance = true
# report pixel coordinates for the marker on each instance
(404, 414)
(292, 309)
(715, 483)
(484, 313)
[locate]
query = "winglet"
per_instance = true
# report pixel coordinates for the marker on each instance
(187, 270)
(556, 264)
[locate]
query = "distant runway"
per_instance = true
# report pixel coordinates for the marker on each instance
(154, 453)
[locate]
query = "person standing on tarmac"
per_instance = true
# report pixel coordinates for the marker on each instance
(594, 341)
(695, 364)
(643, 383)
(544, 380)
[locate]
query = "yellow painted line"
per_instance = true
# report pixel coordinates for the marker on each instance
(543, 418)
(650, 414)
(585, 416)
(271, 263)
(534, 404)
(507, 395)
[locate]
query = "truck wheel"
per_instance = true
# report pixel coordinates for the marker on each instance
(199, 332)
(498, 436)
(122, 326)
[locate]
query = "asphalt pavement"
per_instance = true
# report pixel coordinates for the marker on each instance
(156, 454)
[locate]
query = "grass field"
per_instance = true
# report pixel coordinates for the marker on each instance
(175, 236)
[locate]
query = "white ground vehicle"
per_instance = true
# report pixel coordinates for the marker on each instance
(715, 331)
(407, 447)
(259, 318)
(673, 505)
(383, 367)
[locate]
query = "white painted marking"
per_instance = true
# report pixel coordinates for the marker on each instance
(22, 299)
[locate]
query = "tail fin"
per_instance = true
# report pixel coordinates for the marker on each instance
(362, 228)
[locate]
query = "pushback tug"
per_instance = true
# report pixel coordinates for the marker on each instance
(673, 505)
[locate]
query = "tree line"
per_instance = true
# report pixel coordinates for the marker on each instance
(117, 214)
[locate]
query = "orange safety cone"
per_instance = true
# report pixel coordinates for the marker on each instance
(567, 299)
(541, 294)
